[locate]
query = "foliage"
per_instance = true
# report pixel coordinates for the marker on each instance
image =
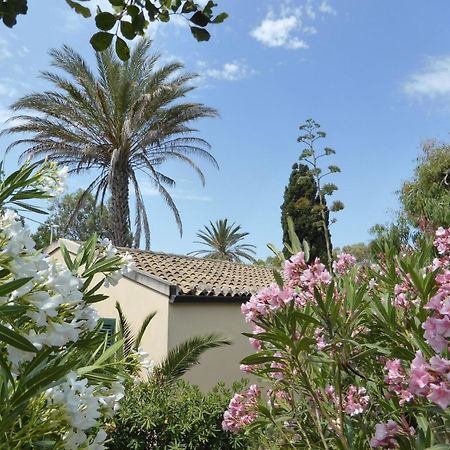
(224, 242)
(272, 262)
(302, 204)
(311, 156)
(357, 359)
(127, 19)
(426, 197)
(173, 417)
(74, 217)
(121, 124)
(56, 375)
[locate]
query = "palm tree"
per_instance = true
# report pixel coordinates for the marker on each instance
(122, 122)
(179, 359)
(223, 242)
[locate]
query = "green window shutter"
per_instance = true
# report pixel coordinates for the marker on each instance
(109, 327)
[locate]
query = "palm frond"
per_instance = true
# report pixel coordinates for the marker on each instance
(186, 355)
(125, 332)
(142, 329)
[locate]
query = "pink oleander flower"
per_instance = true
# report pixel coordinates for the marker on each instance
(396, 381)
(355, 401)
(344, 263)
(242, 410)
(431, 380)
(442, 241)
(266, 301)
(293, 268)
(385, 434)
(437, 332)
(277, 374)
(321, 343)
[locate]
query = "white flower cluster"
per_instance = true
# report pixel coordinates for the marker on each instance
(108, 250)
(53, 179)
(82, 406)
(144, 360)
(55, 316)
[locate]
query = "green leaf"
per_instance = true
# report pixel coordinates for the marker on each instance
(200, 34)
(189, 7)
(133, 10)
(278, 278)
(105, 21)
(11, 286)
(122, 50)
(220, 18)
(101, 41)
(127, 30)
(85, 12)
(16, 340)
(200, 19)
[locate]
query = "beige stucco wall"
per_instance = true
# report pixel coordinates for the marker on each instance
(222, 364)
(137, 301)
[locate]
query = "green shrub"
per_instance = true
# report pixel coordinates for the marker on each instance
(175, 416)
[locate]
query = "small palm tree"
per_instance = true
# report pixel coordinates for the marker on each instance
(121, 124)
(223, 242)
(179, 360)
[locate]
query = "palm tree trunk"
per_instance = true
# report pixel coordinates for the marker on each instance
(120, 209)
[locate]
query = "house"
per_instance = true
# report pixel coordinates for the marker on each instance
(192, 296)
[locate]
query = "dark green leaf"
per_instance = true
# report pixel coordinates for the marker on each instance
(189, 7)
(127, 30)
(200, 34)
(105, 21)
(16, 340)
(200, 19)
(11, 286)
(101, 40)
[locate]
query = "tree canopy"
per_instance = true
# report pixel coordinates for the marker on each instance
(301, 203)
(71, 218)
(426, 197)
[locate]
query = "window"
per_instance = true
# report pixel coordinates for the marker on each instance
(108, 327)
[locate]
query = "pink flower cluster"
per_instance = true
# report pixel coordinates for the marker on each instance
(404, 294)
(321, 343)
(442, 241)
(385, 434)
(242, 410)
(431, 380)
(277, 374)
(344, 263)
(266, 301)
(396, 380)
(437, 326)
(356, 400)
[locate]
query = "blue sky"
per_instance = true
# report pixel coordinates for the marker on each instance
(374, 74)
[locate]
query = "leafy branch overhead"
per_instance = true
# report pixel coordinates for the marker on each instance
(128, 19)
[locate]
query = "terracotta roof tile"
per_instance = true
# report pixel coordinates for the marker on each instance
(198, 276)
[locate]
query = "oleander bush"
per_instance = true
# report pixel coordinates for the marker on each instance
(354, 357)
(57, 376)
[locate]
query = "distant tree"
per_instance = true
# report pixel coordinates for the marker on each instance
(426, 197)
(311, 134)
(271, 262)
(396, 236)
(64, 222)
(301, 203)
(224, 241)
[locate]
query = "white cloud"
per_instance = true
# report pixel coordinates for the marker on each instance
(286, 28)
(326, 8)
(230, 71)
(432, 81)
(274, 32)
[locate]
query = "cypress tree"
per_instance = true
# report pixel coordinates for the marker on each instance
(301, 202)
